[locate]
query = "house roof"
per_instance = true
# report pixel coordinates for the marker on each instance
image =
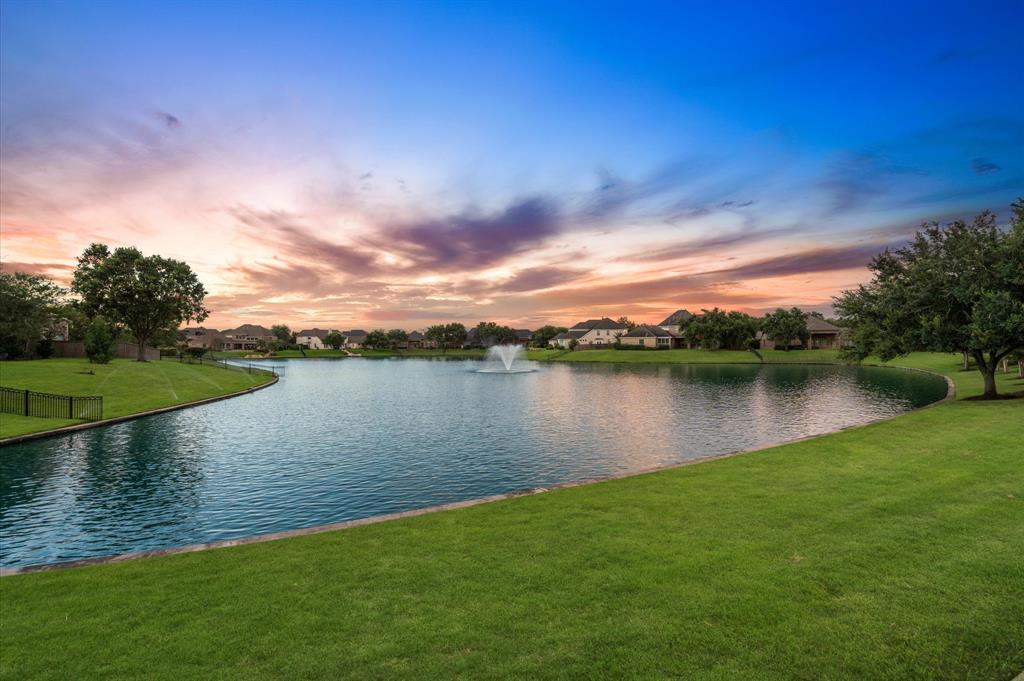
(416, 335)
(319, 333)
(247, 330)
(603, 323)
(354, 333)
(676, 317)
(818, 325)
(647, 331)
(524, 334)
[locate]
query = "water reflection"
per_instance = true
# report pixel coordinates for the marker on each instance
(337, 440)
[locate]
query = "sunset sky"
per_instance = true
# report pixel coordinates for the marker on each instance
(392, 164)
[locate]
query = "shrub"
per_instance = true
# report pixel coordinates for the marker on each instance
(45, 348)
(99, 341)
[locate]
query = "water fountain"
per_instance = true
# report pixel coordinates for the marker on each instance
(506, 355)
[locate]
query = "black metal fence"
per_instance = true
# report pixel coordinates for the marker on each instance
(49, 406)
(247, 367)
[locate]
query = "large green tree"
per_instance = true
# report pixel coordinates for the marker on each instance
(146, 295)
(542, 336)
(28, 303)
(446, 335)
(491, 333)
(378, 338)
(957, 287)
(396, 337)
(785, 326)
(334, 339)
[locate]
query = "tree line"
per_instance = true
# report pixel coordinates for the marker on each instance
(118, 294)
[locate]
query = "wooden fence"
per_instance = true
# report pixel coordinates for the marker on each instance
(121, 350)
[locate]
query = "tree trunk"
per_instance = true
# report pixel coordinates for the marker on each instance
(990, 384)
(966, 361)
(988, 372)
(1020, 368)
(141, 355)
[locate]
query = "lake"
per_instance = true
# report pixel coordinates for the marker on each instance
(344, 439)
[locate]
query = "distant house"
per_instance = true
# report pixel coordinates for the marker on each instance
(415, 340)
(592, 332)
(354, 339)
(199, 337)
(822, 335)
(675, 320)
(245, 337)
(472, 339)
(648, 336)
(602, 331)
(523, 336)
(312, 339)
(59, 329)
(564, 340)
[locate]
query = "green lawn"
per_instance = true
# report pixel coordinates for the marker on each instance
(127, 386)
(891, 551)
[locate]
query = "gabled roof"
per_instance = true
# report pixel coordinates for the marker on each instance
(248, 330)
(648, 331)
(603, 323)
(676, 317)
(524, 334)
(818, 325)
(319, 333)
(354, 333)
(416, 335)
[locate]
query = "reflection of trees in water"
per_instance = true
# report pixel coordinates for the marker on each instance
(140, 464)
(915, 387)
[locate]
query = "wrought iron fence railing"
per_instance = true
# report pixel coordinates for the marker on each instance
(50, 406)
(247, 367)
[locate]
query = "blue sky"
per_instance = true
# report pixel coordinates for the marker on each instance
(355, 162)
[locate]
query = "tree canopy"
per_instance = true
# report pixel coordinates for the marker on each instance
(378, 338)
(542, 336)
(490, 333)
(334, 339)
(396, 337)
(785, 326)
(957, 287)
(716, 329)
(28, 303)
(446, 335)
(146, 295)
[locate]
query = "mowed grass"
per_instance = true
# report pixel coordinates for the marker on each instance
(891, 551)
(127, 386)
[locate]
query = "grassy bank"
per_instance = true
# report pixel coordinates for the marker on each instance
(127, 387)
(888, 551)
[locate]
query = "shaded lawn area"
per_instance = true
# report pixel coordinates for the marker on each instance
(887, 551)
(127, 386)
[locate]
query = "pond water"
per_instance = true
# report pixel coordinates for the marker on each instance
(343, 439)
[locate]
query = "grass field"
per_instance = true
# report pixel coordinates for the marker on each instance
(888, 551)
(127, 386)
